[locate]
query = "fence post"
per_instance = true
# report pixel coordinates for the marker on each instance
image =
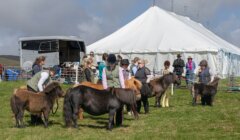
(76, 68)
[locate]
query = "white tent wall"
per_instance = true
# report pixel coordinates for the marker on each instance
(221, 63)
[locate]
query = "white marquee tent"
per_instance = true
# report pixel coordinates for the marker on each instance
(158, 35)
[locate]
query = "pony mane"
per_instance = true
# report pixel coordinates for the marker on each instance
(83, 87)
(50, 87)
(133, 83)
(89, 84)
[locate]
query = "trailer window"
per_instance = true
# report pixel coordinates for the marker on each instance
(42, 46)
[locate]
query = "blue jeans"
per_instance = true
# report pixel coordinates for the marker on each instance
(190, 77)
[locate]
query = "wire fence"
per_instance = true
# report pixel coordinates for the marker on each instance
(64, 75)
(71, 75)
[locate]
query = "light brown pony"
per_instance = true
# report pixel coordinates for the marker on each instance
(131, 83)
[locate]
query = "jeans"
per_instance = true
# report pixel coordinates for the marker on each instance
(190, 78)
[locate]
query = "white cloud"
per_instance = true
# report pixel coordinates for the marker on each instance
(93, 19)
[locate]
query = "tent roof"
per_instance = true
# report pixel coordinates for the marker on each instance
(157, 30)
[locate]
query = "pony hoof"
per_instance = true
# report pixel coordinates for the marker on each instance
(75, 126)
(21, 126)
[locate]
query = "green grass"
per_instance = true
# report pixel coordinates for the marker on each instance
(180, 121)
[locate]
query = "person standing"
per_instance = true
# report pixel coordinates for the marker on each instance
(165, 98)
(112, 76)
(101, 66)
(141, 75)
(126, 75)
(92, 56)
(178, 65)
(134, 66)
(205, 75)
(89, 74)
(190, 68)
(38, 65)
(36, 84)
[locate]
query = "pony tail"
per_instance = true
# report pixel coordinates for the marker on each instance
(67, 109)
(13, 102)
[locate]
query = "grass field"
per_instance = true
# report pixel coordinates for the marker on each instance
(180, 121)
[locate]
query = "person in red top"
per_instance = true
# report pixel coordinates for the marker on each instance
(1, 71)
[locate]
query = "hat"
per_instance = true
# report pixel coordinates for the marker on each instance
(179, 55)
(111, 59)
(124, 62)
(203, 63)
(189, 57)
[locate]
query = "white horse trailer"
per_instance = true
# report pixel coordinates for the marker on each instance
(57, 49)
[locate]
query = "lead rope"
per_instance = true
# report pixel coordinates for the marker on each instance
(54, 112)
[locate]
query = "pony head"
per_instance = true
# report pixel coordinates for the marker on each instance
(54, 87)
(134, 84)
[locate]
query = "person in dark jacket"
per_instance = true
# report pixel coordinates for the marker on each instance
(89, 74)
(204, 73)
(38, 65)
(178, 65)
(141, 75)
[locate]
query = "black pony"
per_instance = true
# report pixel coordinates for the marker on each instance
(207, 92)
(96, 102)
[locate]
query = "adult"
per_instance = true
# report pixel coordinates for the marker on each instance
(38, 65)
(101, 66)
(92, 56)
(112, 76)
(190, 68)
(1, 71)
(119, 59)
(178, 65)
(141, 75)
(126, 74)
(89, 74)
(134, 66)
(204, 74)
(36, 84)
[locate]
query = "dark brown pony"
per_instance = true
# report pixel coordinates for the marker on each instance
(96, 102)
(131, 83)
(207, 92)
(159, 86)
(36, 103)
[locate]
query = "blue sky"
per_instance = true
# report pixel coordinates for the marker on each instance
(95, 19)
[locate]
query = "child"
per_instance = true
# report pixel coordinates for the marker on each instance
(165, 97)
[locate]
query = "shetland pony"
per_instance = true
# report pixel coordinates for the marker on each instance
(36, 103)
(207, 92)
(159, 87)
(96, 102)
(131, 83)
